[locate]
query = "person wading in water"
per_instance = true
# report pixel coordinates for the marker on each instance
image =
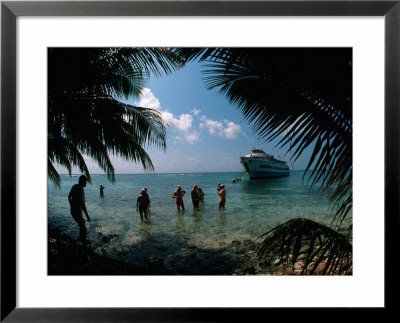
(178, 196)
(76, 199)
(222, 196)
(143, 203)
(195, 197)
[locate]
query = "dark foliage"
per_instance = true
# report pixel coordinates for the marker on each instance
(303, 96)
(85, 114)
(323, 250)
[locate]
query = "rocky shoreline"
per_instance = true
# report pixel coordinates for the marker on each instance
(66, 256)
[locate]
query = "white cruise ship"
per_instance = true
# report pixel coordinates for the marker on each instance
(258, 164)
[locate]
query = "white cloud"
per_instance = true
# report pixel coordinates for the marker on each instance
(214, 127)
(195, 111)
(189, 137)
(148, 100)
(232, 130)
(183, 123)
(225, 128)
(180, 125)
(192, 137)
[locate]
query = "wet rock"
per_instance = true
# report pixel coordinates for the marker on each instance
(156, 265)
(122, 253)
(319, 270)
(248, 243)
(298, 266)
(67, 257)
(157, 260)
(301, 257)
(283, 272)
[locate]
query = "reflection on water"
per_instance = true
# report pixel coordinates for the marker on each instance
(145, 228)
(197, 218)
(222, 223)
(180, 223)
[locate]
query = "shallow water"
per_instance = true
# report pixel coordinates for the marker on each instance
(188, 241)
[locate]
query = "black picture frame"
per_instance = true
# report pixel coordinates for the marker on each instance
(10, 10)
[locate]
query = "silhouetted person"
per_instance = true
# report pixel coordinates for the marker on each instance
(195, 197)
(142, 204)
(102, 190)
(76, 199)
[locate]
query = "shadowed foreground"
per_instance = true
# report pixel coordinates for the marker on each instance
(67, 257)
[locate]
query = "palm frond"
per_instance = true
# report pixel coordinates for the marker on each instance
(53, 174)
(84, 88)
(63, 152)
(319, 249)
(303, 98)
(300, 96)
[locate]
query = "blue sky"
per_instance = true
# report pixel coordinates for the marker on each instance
(205, 133)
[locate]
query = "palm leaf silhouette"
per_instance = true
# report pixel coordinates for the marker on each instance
(85, 114)
(300, 96)
(323, 249)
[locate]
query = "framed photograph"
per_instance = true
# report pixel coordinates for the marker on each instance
(251, 206)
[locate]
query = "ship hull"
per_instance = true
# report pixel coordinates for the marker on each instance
(261, 175)
(258, 168)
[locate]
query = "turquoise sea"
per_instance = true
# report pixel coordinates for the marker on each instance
(205, 241)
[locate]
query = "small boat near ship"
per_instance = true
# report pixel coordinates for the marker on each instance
(259, 164)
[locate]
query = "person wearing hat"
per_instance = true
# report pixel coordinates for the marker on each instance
(178, 196)
(76, 199)
(195, 197)
(222, 195)
(142, 204)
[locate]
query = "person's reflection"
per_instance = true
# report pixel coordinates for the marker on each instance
(180, 223)
(197, 219)
(222, 219)
(145, 228)
(222, 223)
